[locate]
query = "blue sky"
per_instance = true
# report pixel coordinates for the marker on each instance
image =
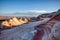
(13, 6)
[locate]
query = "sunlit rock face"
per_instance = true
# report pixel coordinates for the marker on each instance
(14, 22)
(5, 23)
(23, 21)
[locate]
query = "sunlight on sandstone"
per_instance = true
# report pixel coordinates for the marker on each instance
(14, 22)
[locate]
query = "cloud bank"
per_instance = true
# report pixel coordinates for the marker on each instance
(30, 12)
(26, 13)
(33, 11)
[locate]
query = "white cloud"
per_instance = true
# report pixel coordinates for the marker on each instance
(27, 13)
(33, 11)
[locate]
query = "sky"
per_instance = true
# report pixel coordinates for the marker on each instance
(28, 7)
